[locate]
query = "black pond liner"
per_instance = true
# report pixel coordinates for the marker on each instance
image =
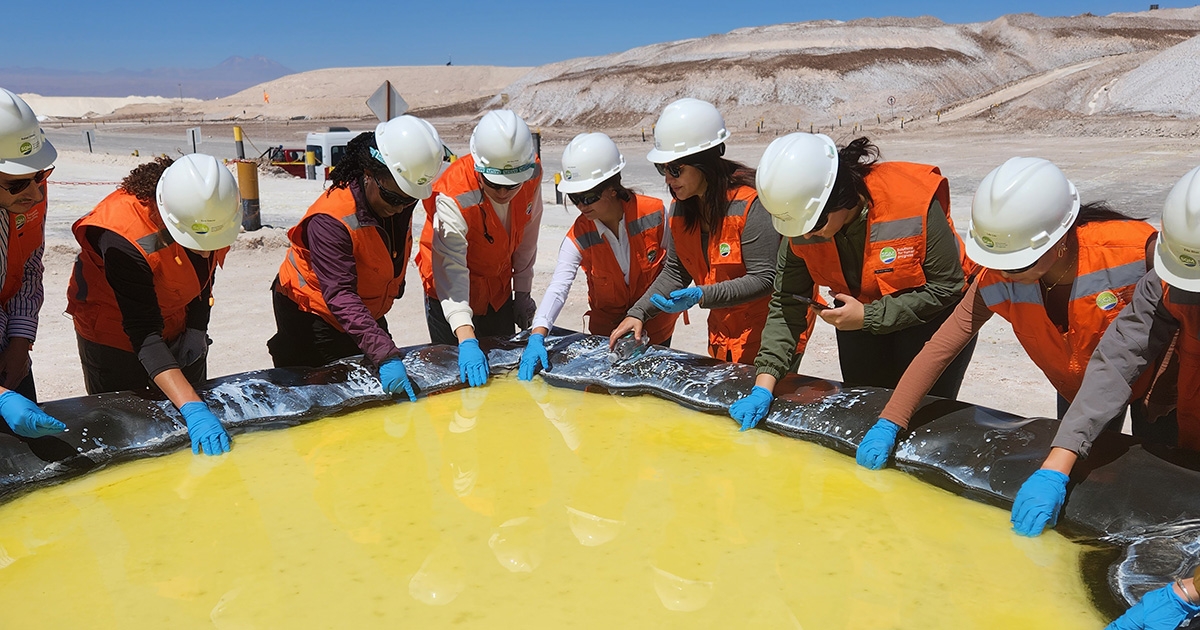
(1135, 507)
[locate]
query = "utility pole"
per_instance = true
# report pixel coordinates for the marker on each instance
(181, 94)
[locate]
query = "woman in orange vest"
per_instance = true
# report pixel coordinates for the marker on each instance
(1057, 271)
(349, 252)
(141, 292)
(721, 239)
(879, 235)
(617, 239)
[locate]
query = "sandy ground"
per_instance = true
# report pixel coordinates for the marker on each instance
(1134, 173)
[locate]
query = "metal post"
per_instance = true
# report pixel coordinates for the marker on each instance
(310, 165)
(247, 171)
(537, 143)
(643, 134)
(237, 143)
(558, 196)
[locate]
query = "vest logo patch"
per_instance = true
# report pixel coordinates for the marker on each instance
(529, 208)
(199, 228)
(1106, 301)
(20, 221)
(987, 242)
(1187, 261)
(725, 249)
(651, 255)
(887, 255)
(26, 148)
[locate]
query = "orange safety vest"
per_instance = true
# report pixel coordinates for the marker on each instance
(90, 299)
(26, 233)
(378, 285)
(734, 333)
(894, 254)
(489, 248)
(609, 297)
(1185, 307)
(1112, 258)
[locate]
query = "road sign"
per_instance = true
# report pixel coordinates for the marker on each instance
(891, 100)
(90, 136)
(386, 103)
(194, 137)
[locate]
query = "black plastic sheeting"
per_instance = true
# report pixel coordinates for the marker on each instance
(1136, 506)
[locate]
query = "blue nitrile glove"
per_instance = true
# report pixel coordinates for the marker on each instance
(204, 429)
(753, 408)
(680, 300)
(1160, 609)
(472, 363)
(25, 418)
(1038, 502)
(877, 444)
(535, 352)
(394, 378)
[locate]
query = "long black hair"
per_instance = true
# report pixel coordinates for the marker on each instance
(1099, 211)
(357, 161)
(720, 176)
(855, 161)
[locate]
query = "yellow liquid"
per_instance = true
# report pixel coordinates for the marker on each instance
(519, 505)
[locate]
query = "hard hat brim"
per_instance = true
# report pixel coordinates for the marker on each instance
(1175, 274)
(413, 190)
(30, 164)
(208, 242)
(509, 180)
(1005, 261)
(658, 156)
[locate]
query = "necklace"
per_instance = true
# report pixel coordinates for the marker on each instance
(1063, 274)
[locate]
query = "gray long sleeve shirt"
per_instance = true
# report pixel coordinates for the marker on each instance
(760, 242)
(1132, 343)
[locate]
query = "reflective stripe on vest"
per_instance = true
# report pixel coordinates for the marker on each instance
(1095, 282)
(26, 233)
(897, 229)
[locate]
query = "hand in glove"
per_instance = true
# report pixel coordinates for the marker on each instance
(1160, 609)
(679, 301)
(394, 378)
(1038, 502)
(535, 353)
(205, 430)
(472, 363)
(25, 418)
(877, 444)
(753, 408)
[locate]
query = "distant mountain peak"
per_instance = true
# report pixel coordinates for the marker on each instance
(232, 75)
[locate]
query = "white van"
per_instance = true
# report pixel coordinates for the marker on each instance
(329, 147)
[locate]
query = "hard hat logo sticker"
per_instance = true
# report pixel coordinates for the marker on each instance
(987, 242)
(887, 255)
(566, 174)
(725, 249)
(26, 148)
(1187, 261)
(199, 228)
(1106, 301)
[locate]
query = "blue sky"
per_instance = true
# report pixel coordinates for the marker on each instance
(305, 34)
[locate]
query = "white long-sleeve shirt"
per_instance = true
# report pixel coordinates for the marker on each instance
(569, 260)
(450, 273)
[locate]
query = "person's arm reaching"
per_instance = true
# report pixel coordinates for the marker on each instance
(450, 274)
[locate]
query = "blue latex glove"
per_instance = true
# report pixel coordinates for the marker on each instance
(1038, 502)
(877, 445)
(472, 363)
(753, 408)
(680, 300)
(25, 418)
(1160, 609)
(535, 352)
(204, 429)
(394, 378)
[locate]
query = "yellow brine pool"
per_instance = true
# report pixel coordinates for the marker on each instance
(523, 506)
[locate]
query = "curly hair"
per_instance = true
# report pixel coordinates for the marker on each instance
(720, 176)
(855, 161)
(357, 161)
(142, 181)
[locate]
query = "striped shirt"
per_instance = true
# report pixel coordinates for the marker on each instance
(19, 316)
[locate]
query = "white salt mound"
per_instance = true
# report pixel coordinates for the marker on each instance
(1169, 83)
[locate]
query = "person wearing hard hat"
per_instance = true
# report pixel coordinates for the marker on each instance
(141, 292)
(26, 161)
(1165, 306)
(479, 242)
(879, 235)
(618, 239)
(349, 252)
(721, 239)
(1057, 271)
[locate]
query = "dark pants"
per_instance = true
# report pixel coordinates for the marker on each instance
(494, 323)
(109, 369)
(305, 340)
(880, 360)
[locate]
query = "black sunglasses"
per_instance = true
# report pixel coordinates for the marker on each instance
(671, 168)
(494, 186)
(393, 198)
(17, 187)
(586, 198)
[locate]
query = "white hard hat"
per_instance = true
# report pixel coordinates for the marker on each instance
(1177, 255)
(1021, 209)
(412, 150)
(685, 127)
(502, 148)
(588, 160)
(198, 201)
(24, 149)
(794, 180)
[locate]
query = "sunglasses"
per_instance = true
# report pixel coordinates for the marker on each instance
(672, 169)
(393, 198)
(586, 198)
(17, 188)
(494, 186)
